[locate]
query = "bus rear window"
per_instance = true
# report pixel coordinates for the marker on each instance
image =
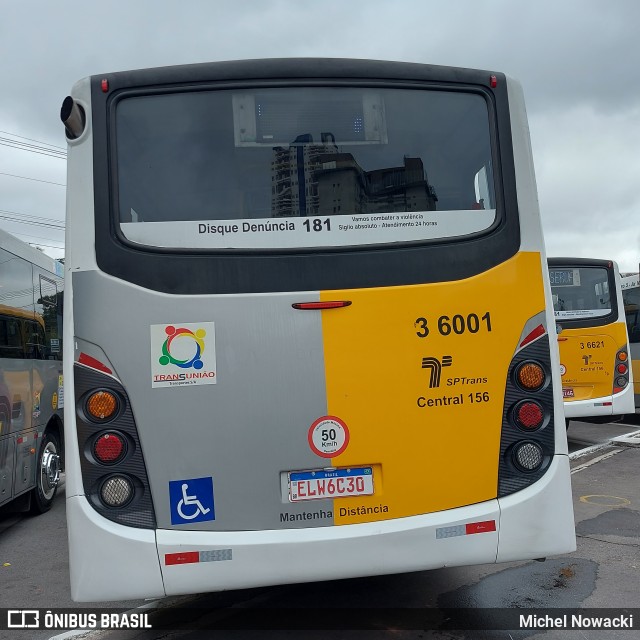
(581, 293)
(302, 167)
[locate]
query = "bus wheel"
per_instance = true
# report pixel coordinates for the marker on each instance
(566, 421)
(47, 474)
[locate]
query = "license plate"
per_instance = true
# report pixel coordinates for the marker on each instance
(567, 393)
(320, 484)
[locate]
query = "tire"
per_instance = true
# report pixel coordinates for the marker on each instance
(566, 420)
(47, 474)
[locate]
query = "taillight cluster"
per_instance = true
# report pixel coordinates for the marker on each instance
(527, 439)
(621, 379)
(108, 447)
(113, 469)
(529, 414)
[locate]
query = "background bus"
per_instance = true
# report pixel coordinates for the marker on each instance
(310, 331)
(630, 286)
(594, 347)
(31, 390)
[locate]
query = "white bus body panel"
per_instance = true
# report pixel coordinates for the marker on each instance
(527, 517)
(262, 558)
(523, 522)
(620, 404)
(124, 558)
(259, 558)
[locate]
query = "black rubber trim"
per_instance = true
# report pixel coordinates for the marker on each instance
(190, 272)
(510, 477)
(138, 512)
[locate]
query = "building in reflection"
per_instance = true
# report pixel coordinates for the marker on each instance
(316, 179)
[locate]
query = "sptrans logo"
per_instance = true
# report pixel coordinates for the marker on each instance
(183, 354)
(435, 368)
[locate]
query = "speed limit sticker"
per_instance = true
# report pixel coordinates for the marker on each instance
(328, 436)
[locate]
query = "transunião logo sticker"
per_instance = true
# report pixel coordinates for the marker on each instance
(183, 354)
(191, 500)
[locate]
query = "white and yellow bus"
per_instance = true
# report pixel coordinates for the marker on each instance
(630, 286)
(310, 332)
(593, 341)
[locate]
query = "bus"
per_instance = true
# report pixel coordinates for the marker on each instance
(31, 376)
(593, 341)
(630, 286)
(309, 333)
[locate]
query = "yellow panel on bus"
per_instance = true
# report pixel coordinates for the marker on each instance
(418, 375)
(587, 360)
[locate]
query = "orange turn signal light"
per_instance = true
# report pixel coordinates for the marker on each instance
(101, 405)
(530, 376)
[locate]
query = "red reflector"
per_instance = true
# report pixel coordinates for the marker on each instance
(109, 447)
(493, 81)
(105, 85)
(617, 389)
(621, 368)
(534, 335)
(330, 304)
(93, 363)
(186, 557)
(20, 440)
(530, 415)
(480, 527)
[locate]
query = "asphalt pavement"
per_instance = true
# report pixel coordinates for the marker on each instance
(604, 571)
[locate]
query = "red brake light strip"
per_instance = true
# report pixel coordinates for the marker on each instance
(534, 335)
(93, 363)
(329, 304)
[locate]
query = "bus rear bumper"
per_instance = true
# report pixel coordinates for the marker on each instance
(194, 561)
(108, 561)
(617, 404)
(114, 562)
(538, 521)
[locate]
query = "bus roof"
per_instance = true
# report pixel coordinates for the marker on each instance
(23, 250)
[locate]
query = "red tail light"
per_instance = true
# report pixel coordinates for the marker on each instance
(529, 415)
(109, 448)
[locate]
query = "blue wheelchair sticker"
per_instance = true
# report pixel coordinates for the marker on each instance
(191, 500)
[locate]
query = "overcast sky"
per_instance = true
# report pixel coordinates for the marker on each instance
(578, 62)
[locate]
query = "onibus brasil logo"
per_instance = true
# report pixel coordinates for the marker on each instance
(178, 354)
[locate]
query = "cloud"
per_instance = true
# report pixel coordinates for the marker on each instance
(576, 60)
(587, 166)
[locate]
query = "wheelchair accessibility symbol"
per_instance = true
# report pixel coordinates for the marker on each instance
(191, 500)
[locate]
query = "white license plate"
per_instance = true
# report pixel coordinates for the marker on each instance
(567, 393)
(320, 484)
